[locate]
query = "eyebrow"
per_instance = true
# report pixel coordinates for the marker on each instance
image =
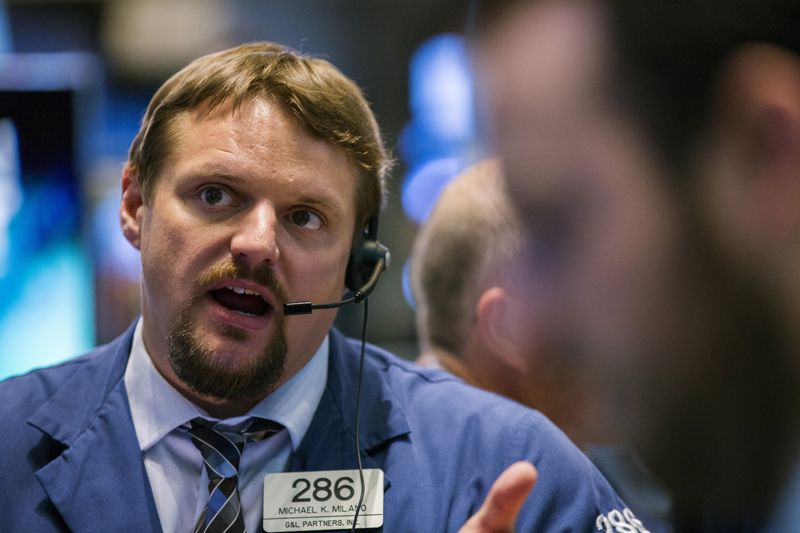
(322, 200)
(214, 172)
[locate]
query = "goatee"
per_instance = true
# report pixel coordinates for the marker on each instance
(203, 369)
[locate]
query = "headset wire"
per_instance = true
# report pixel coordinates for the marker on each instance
(358, 412)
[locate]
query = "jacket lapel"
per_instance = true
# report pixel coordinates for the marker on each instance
(99, 481)
(329, 443)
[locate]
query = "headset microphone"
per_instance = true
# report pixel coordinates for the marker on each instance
(368, 259)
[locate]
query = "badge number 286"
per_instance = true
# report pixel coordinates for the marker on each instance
(324, 500)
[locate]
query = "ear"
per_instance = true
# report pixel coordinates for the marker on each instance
(131, 206)
(755, 190)
(496, 326)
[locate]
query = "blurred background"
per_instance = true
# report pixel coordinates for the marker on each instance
(75, 78)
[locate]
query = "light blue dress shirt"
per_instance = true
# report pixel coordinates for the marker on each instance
(175, 467)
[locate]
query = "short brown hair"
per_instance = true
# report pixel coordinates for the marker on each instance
(325, 101)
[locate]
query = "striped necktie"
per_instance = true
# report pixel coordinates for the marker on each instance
(221, 450)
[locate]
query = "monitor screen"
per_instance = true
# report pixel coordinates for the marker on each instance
(46, 284)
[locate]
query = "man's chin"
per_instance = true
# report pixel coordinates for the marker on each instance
(224, 376)
(226, 362)
(226, 387)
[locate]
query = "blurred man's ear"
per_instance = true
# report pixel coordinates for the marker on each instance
(754, 147)
(498, 328)
(130, 211)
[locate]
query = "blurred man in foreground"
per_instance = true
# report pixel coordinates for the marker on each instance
(653, 151)
(475, 322)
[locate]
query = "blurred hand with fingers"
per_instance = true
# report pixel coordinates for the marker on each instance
(499, 511)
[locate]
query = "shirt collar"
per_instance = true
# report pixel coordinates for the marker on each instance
(157, 408)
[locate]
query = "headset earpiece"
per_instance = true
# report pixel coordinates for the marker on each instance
(368, 259)
(364, 256)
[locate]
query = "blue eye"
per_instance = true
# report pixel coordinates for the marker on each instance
(305, 219)
(215, 196)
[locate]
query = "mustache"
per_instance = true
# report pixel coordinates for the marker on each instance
(232, 269)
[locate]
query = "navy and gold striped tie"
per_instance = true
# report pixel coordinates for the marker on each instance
(222, 450)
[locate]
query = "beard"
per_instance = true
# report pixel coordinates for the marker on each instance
(203, 368)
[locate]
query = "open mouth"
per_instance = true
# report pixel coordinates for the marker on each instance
(246, 302)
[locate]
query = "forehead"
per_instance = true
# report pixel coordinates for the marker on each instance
(543, 70)
(257, 124)
(259, 142)
(543, 59)
(558, 125)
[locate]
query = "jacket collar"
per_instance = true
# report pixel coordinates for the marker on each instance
(99, 478)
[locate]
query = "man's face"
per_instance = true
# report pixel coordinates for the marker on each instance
(600, 225)
(248, 211)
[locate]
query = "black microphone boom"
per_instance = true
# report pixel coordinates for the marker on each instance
(305, 308)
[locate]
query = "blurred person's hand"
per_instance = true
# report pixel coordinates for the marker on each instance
(499, 511)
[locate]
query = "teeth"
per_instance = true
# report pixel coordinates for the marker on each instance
(240, 290)
(243, 313)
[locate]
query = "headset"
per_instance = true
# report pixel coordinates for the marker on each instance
(368, 259)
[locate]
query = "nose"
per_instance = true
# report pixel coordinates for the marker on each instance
(255, 239)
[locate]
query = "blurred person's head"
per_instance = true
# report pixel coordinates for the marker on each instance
(464, 266)
(653, 151)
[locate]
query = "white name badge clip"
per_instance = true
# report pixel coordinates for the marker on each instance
(324, 500)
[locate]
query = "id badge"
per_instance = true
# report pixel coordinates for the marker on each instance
(323, 500)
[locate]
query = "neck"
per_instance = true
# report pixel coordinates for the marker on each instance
(221, 408)
(439, 357)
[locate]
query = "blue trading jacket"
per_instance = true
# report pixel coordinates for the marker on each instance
(70, 461)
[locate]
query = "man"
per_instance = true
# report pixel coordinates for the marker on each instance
(251, 178)
(474, 322)
(653, 150)
(465, 267)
